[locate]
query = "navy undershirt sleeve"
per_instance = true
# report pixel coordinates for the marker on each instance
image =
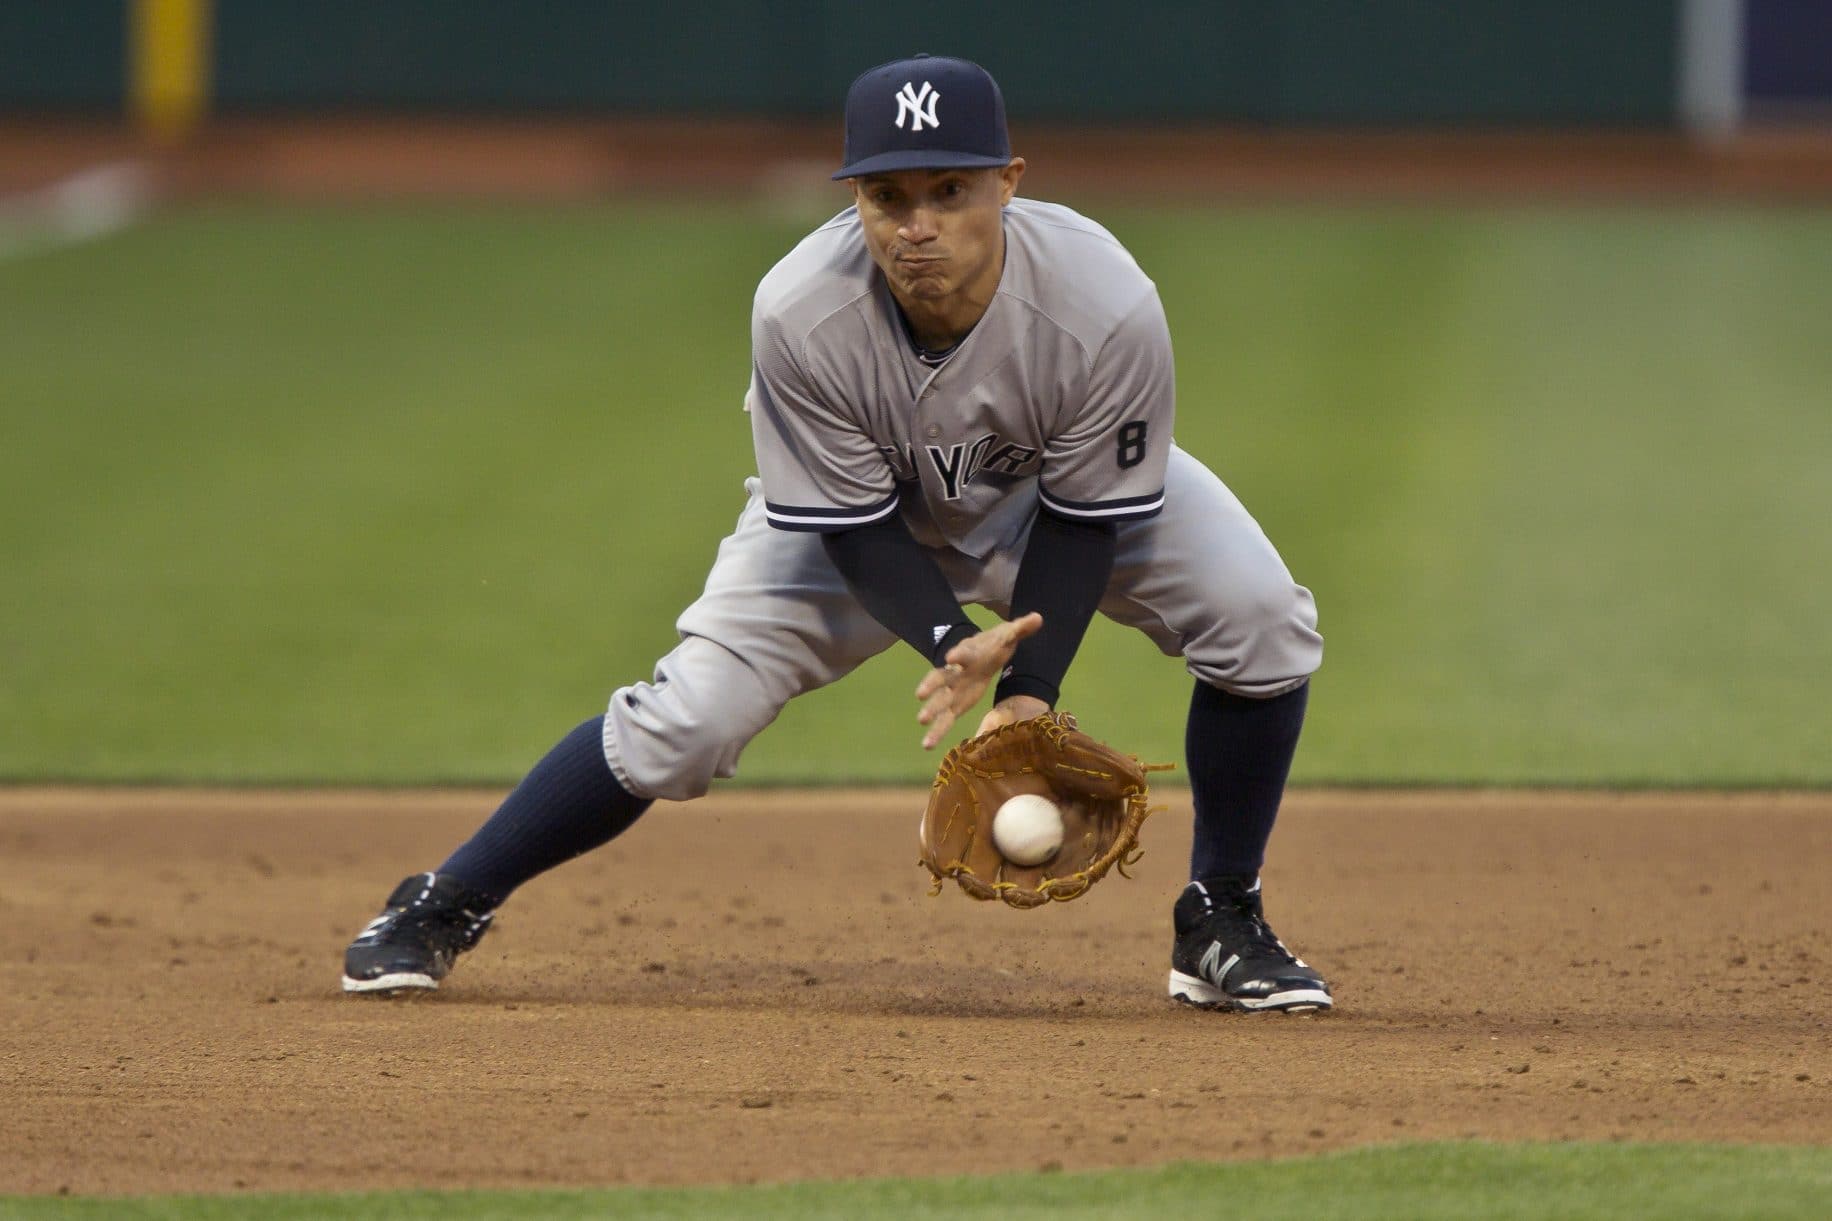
(1062, 576)
(896, 580)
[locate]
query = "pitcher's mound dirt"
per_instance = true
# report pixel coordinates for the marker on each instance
(757, 986)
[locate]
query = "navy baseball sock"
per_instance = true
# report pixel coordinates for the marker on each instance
(1239, 753)
(569, 804)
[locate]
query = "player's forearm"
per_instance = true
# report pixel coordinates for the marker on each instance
(1063, 575)
(897, 581)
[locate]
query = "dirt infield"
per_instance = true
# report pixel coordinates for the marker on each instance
(757, 987)
(344, 157)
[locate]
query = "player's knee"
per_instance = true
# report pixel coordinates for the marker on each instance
(672, 738)
(1263, 642)
(1271, 608)
(658, 755)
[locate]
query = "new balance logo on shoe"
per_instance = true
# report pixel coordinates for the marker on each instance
(1207, 968)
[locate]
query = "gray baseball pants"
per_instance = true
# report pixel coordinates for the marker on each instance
(1201, 579)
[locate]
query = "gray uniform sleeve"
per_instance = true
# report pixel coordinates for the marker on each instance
(1108, 463)
(820, 470)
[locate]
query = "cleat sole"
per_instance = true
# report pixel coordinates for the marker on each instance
(1201, 994)
(399, 981)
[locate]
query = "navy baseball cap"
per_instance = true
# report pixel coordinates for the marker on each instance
(926, 113)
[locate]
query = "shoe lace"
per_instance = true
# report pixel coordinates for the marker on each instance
(440, 924)
(1249, 932)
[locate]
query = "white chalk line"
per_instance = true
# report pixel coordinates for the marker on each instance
(90, 204)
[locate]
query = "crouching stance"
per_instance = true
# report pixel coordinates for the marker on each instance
(958, 396)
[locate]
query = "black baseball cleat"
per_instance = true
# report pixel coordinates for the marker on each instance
(430, 919)
(1227, 957)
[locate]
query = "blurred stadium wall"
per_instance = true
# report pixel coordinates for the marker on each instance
(1725, 94)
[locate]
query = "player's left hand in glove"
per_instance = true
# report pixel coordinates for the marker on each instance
(1101, 792)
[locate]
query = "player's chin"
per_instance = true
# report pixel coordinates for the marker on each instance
(926, 278)
(929, 286)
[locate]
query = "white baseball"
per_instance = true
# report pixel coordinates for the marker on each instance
(1027, 829)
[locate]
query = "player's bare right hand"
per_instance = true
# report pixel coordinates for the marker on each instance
(971, 666)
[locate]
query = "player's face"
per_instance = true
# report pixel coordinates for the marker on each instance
(937, 233)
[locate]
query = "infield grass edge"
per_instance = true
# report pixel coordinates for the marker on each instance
(1478, 1180)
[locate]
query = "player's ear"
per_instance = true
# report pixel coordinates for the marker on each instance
(1008, 179)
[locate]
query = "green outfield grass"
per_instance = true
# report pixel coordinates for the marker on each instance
(1455, 1182)
(400, 495)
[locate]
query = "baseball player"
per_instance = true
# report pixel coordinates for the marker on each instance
(957, 396)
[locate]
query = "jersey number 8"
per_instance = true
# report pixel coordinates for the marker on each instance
(1132, 444)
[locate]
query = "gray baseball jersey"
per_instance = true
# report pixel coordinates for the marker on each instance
(1061, 395)
(1063, 392)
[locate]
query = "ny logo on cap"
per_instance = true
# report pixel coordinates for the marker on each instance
(910, 103)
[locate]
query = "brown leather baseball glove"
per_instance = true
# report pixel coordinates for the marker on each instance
(1101, 792)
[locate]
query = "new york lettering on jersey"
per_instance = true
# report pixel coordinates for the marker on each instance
(1063, 393)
